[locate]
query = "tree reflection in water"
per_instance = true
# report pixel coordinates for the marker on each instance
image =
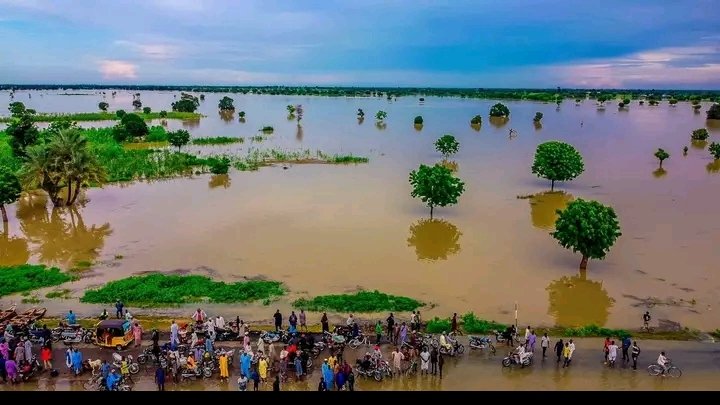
(219, 180)
(59, 237)
(576, 301)
(300, 133)
(544, 206)
(227, 116)
(434, 239)
(499, 122)
(13, 250)
(713, 167)
(659, 172)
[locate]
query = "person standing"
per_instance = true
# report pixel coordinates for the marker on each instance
(626, 343)
(11, 370)
(256, 380)
(635, 354)
(174, 334)
(378, 332)
(28, 349)
(292, 320)
(572, 350)
(612, 353)
(303, 320)
(412, 321)
(46, 357)
(531, 341)
(137, 331)
(403, 333)
(397, 358)
(646, 321)
(424, 361)
(324, 323)
(223, 363)
(242, 382)
(566, 355)
(396, 334)
(454, 323)
(119, 309)
(278, 320)
(391, 327)
(160, 378)
(340, 379)
(441, 362)
(544, 343)
(606, 350)
(3, 372)
(433, 361)
(263, 368)
(527, 333)
(351, 381)
(298, 368)
(77, 361)
(276, 383)
(19, 354)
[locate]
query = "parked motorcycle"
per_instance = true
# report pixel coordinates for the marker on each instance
(457, 348)
(511, 360)
(80, 335)
(133, 366)
(28, 373)
(369, 372)
(481, 343)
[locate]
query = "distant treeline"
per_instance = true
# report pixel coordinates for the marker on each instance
(547, 95)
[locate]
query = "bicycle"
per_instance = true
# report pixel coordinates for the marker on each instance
(358, 341)
(412, 369)
(672, 371)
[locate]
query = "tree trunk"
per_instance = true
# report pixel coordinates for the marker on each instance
(77, 192)
(4, 214)
(661, 164)
(583, 263)
(6, 230)
(552, 185)
(68, 199)
(431, 212)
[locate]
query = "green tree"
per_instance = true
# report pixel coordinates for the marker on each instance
(147, 110)
(587, 227)
(360, 113)
(103, 106)
(538, 117)
(137, 104)
(290, 109)
(557, 161)
(179, 138)
(65, 163)
(241, 114)
(672, 101)
(226, 104)
(447, 145)
(435, 186)
(120, 113)
(661, 155)
(476, 120)
(700, 134)
(714, 149)
(134, 125)
(626, 101)
(380, 115)
(187, 103)
(499, 110)
(9, 189)
(163, 114)
(418, 120)
(22, 132)
(219, 165)
(713, 113)
(17, 108)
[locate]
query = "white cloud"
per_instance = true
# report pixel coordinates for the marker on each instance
(151, 51)
(118, 69)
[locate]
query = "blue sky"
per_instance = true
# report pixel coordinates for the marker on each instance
(462, 43)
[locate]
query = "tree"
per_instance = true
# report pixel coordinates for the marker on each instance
(626, 101)
(700, 134)
(714, 149)
(447, 145)
(290, 109)
(661, 155)
(538, 117)
(672, 102)
(418, 120)
(241, 114)
(435, 186)
(557, 161)
(187, 103)
(10, 189)
(65, 163)
(134, 125)
(219, 165)
(163, 114)
(147, 110)
(179, 138)
(476, 120)
(226, 104)
(360, 114)
(499, 110)
(16, 108)
(713, 113)
(380, 115)
(22, 132)
(120, 113)
(137, 104)
(103, 106)
(587, 227)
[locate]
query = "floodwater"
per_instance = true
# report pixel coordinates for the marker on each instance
(330, 229)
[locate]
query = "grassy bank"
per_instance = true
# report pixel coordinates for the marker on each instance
(161, 290)
(362, 302)
(26, 277)
(217, 140)
(106, 116)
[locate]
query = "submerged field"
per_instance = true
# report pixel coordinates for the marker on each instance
(324, 230)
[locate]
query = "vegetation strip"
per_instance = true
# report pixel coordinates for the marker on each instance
(159, 289)
(27, 277)
(106, 116)
(362, 301)
(217, 140)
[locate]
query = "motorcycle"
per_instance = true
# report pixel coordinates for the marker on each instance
(64, 330)
(481, 343)
(192, 374)
(457, 348)
(35, 368)
(370, 372)
(501, 338)
(133, 366)
(512, 360)
(317, 349)
(225, 335)
(80, 335)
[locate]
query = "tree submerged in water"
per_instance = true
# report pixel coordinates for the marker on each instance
(661, 155)
(499, 110)
(557, 161)
(713, 113)
(476, 120)
(380, 115)
(714, 149)
(435, 186)
(587, 227)
(538, 117)
(10, 190)
(447, 145)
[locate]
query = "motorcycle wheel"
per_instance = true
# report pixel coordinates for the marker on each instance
(460, 349)
(134, 368)
(141, 359)
(207, 372)
(354, 344)
(87, 339)
(55, 338)
(506, 362)
(309, 362)
(377, 375)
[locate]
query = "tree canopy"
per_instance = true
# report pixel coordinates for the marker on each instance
(661, 155)
(476, 120)
(187, 103)
(134, 126)
(700, 134)
(557, 161)
(499, 110)
(538, 117)
(380, 115)
(103, 105)
(418, 120)
(714, 149)
(713, 113)
(179, 138)
(226, 104)
(435, 186)
(587, 227)
(10, 189)
(22, 131)
(447, 145)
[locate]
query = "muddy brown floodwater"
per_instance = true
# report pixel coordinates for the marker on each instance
(330, 229)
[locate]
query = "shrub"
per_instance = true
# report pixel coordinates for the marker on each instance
(134, 125)
(437, 325)
(418, 120)
(476, 120)
(499, 110)
(362, 301)
(471, 324)
(595, 331)
(120, 113)
(219, 165)
(700, 134)
(26, 277)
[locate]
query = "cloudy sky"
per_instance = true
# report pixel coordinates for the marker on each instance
(463, 43)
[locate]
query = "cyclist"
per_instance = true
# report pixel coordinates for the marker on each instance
(646, 320)
(663, 362)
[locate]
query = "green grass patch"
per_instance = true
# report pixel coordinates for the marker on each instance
(33, 299)
(258, 138)
(106, 116)
(437, 325)
(26, 277)
(267, 129)
(595, 331)
(64, 294)
(347, 159)
(472, 324)
(156, 134)
(160, 289)
(362, 301)
(217, 140)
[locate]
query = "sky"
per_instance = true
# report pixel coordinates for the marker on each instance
(660, 44)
